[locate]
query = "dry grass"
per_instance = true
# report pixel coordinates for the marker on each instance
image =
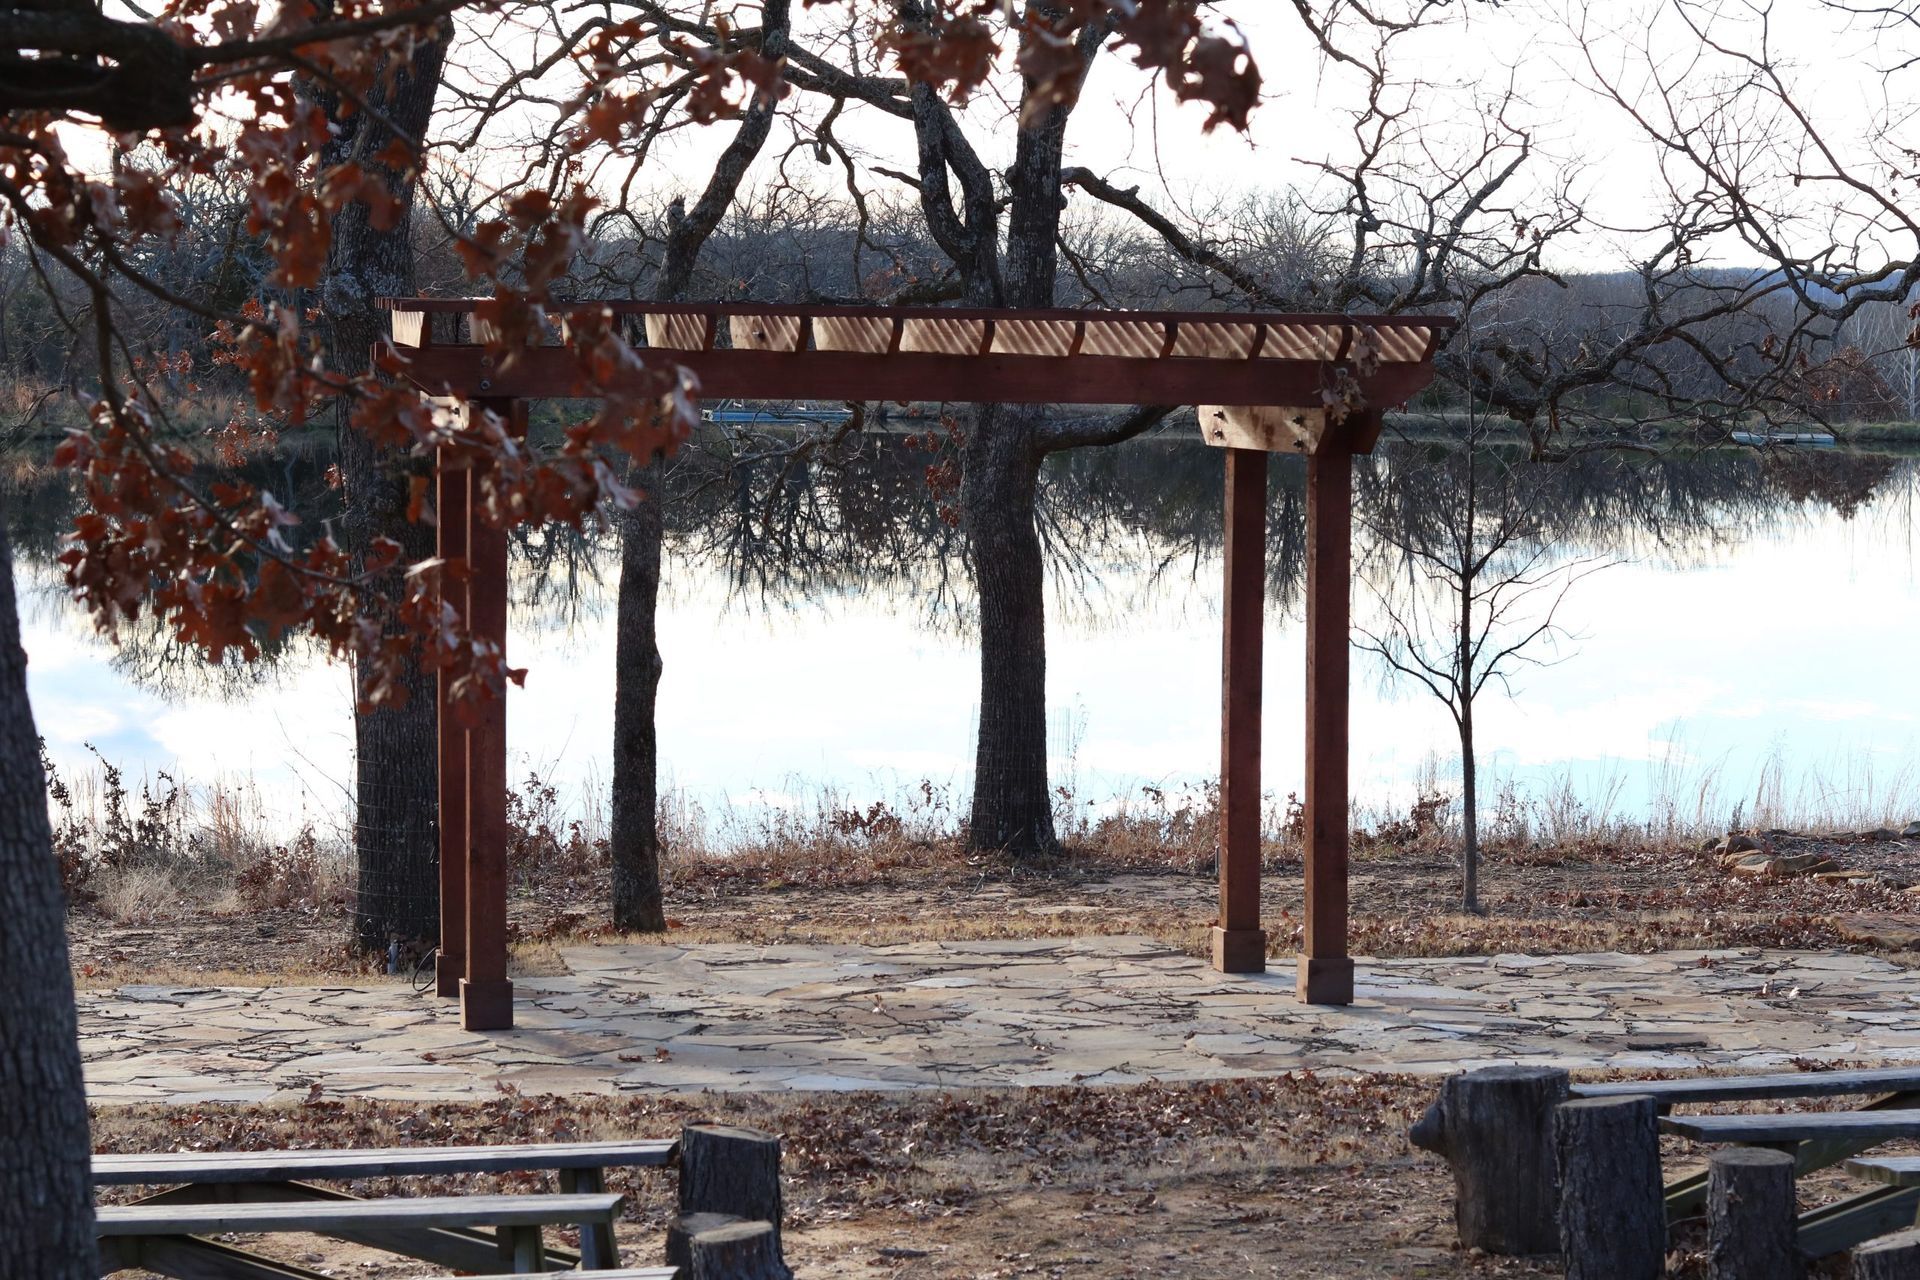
(167, 849)
(187, 881)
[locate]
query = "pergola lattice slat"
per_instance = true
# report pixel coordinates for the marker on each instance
(1312, 384)
(756, 351)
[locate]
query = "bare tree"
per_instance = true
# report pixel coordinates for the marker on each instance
(1467, 573)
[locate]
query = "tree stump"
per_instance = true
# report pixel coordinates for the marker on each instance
(1495, 1127)
(1751, 1216)
(1613, 1213)
(729, 1170)
(1894, 1257)
(738, 1251)
(682, 1229)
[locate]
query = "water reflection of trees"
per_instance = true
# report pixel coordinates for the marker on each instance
(1123, 525)
(781, 526)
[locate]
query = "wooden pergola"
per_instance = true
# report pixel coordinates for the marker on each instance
(1263, 383)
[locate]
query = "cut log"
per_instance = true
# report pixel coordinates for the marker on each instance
(1752, 1223)
(1613, 1214)
(738, 1251)
(1495, 1127)
(682, 1229)
(1894, 1257)
(729, 1170)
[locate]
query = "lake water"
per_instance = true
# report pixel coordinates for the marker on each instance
(1750, 636)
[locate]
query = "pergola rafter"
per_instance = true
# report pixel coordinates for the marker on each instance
(1311, 384)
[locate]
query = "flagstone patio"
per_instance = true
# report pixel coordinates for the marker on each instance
(951, 1014)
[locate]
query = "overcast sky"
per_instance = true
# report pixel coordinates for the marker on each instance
(1126, 130)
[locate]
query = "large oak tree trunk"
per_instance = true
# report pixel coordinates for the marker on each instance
(396, 787)
(1012, 801)
(46, 1194)
(1012, 804)
(634, 836)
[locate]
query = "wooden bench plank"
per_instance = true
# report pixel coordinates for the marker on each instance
(1790, 1084)
(327, 1216)
(1834, 1228)
(631, 1273)
(1896, 1171)
(392, 1162)
(1796, 1126)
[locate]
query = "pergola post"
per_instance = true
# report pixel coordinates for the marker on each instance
(1239, 943)
(453, 515)
(486, 997)
(1325, 970)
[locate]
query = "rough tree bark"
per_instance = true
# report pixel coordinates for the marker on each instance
(1000, 477)
(730, 1170)
(1894, 1257)
(1464, 675)
(1751, 1216)
(1613, 1213)
(739, 1251)
(396, 789)
(46, 1193)
(1012, 802)
(633, 835)
(1495, 1127)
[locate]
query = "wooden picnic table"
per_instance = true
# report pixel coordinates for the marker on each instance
(1819, 1140)
(442, 1237)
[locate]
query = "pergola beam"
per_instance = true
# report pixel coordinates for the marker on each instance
(539, 373)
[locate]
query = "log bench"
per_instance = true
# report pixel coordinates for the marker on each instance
(163, 1236)
(218, 1177)
(1818, 1140)
(1892, 1089)
(1495, 1127)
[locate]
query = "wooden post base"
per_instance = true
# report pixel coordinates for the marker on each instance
(446, 975)
(1239, 950)
(1325, 980)
(486, 1005)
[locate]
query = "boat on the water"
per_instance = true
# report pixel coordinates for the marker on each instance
(1806, 439)
(732, 413)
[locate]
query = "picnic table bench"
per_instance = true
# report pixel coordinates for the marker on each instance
(160, 1236)
(1496, 1127)
(272, 1187)
(1819, 1140)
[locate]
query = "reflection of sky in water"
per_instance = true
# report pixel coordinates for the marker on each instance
(1790, 649)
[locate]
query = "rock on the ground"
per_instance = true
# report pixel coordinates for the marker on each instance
(1911, 831)
(1779, 866)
